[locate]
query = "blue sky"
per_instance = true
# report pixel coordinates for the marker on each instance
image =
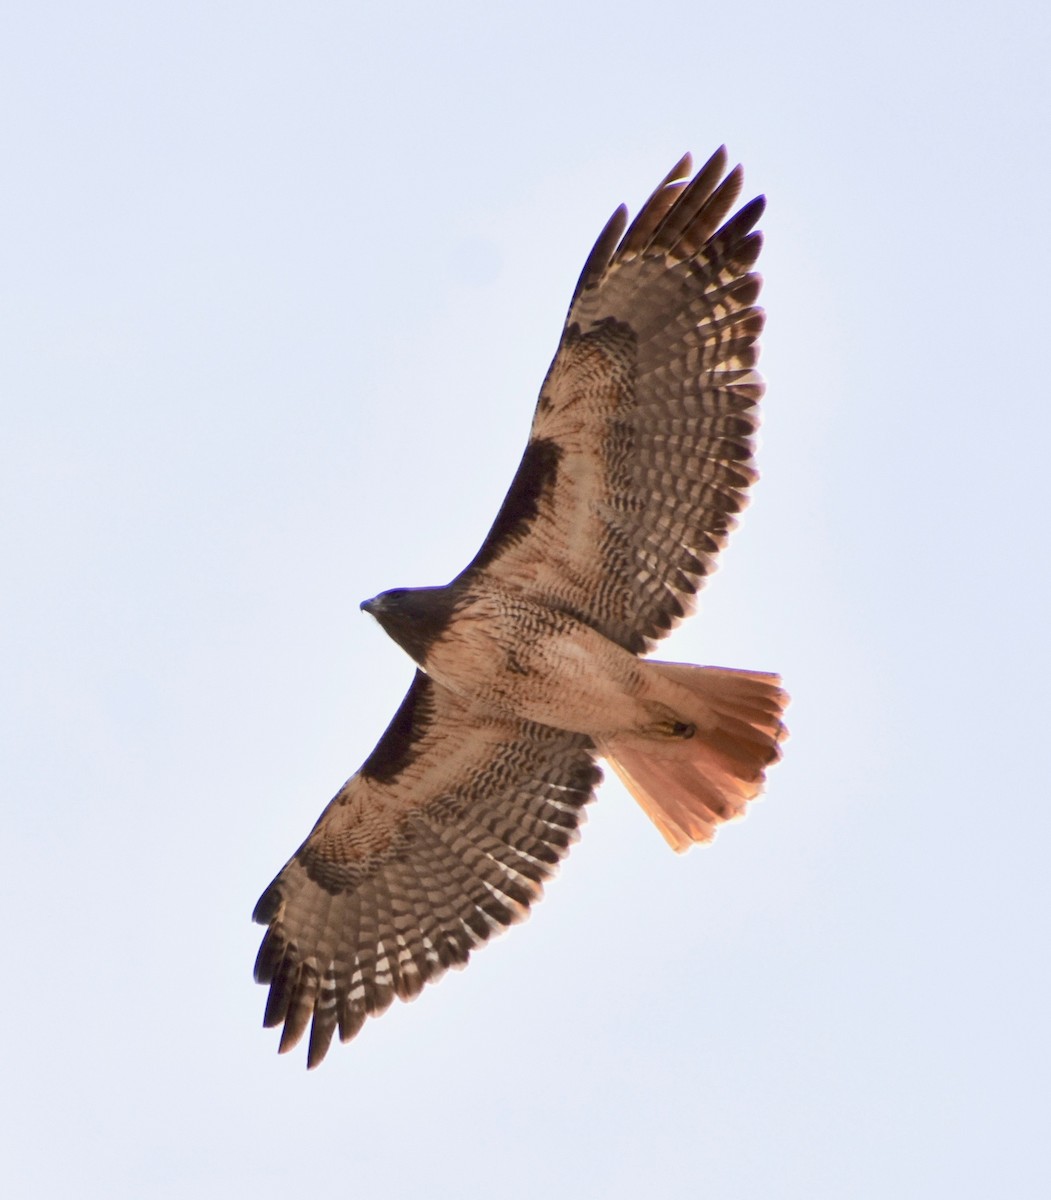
(279, 285)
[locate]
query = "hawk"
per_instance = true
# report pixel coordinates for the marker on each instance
(530, 663)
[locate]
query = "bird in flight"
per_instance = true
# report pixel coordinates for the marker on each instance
(530, 663)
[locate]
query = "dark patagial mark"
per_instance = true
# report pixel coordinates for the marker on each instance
(398, 745)
(535, 478)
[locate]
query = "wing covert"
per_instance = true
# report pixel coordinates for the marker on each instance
(641, 448)
(443, 838)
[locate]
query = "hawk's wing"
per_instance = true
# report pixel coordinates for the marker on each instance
(641, 446)
(443, 837)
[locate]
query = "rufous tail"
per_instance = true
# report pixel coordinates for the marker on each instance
(705, 767)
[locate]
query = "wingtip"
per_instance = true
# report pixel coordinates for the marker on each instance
(754, 209)
(683, 169)
(266, 907)
(290, 1037)
(717, 161)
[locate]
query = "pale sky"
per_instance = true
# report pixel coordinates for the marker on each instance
(279, 286)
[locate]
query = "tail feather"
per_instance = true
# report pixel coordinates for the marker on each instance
(688, 786)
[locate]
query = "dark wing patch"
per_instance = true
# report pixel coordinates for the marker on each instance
(394, 750)
(534, 479)
(652, 402)
(411, 868)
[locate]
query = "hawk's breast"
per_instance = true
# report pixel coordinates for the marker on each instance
(521, 656)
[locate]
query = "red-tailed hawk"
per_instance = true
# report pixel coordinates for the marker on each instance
(530, 661)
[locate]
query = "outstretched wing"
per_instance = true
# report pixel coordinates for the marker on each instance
(443, 837)
(641, 446)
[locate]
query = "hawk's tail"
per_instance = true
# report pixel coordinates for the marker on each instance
(703, 768)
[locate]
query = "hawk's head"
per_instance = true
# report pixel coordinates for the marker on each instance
(413, 617)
